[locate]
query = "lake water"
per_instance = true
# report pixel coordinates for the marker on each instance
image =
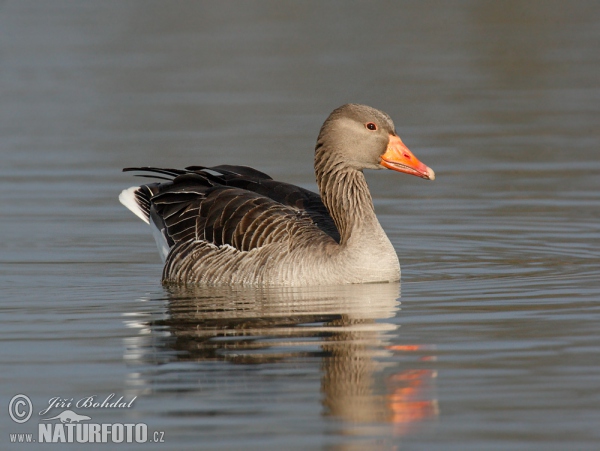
(491, 341)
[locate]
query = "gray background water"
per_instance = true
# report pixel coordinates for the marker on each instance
(495, 343)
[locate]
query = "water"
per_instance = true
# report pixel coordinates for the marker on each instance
(489, 343)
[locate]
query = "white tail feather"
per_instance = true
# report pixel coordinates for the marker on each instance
(127, 198)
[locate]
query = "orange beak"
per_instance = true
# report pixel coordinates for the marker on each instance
(397, 157)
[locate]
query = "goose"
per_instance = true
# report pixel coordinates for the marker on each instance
(234, 225)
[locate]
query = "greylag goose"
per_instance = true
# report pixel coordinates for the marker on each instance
(234, 225)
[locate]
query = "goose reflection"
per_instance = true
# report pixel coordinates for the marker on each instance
(343, 328)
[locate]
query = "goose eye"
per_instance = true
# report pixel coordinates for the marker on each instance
(371, 126)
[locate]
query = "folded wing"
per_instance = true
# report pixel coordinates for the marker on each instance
(226, 205)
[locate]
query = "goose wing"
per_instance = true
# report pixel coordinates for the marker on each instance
(228, 205)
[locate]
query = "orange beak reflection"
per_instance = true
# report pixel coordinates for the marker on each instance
(397, 157)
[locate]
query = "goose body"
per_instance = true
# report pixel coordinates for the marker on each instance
(234, 225)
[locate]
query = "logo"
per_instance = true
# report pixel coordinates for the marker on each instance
(68, 416)
(20, 408)
(69, 426)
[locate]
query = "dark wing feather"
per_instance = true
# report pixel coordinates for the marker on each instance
(293, 196)
(234, 205)
(284, 193)
(230, 170)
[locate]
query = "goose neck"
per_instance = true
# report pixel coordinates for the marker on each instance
(346, 195)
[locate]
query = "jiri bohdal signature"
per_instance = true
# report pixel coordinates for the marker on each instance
(88, 402)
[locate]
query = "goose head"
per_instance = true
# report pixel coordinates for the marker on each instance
(365, 138)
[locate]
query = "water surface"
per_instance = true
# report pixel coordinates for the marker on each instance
(489, 342)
